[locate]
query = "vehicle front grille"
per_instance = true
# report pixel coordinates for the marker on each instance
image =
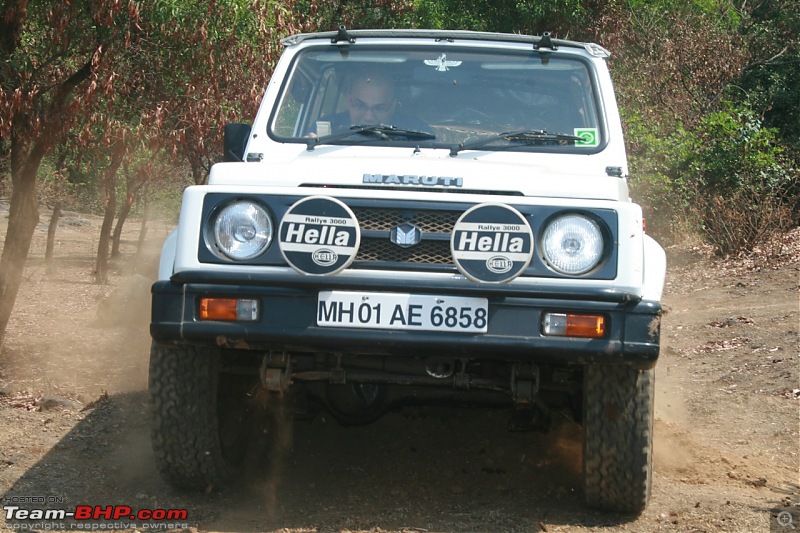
(376, 247)
(426, 252)
(372, 219)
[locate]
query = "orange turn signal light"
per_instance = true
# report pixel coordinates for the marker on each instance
(229, 309)
(574, 325)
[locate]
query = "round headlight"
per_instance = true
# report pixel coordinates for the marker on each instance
(573, 244)
(242, 231)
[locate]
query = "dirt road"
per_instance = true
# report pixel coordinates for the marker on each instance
(74, 420)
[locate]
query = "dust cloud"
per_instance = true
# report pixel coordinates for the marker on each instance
(72, 339)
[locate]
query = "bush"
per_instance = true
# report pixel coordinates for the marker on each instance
(654, 183)
(744, 189)
(733, 151)
(729, 177)
(744, 219)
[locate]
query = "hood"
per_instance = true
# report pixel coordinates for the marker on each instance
(518, 174)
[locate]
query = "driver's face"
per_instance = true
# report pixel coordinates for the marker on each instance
(371, 102)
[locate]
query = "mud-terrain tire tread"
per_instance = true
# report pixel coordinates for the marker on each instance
(183, 387)
(618, 437)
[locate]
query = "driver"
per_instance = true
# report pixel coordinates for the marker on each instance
(371, 101)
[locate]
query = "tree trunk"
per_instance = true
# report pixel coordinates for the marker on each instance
(124, 211)
(199, 174)
(143, 227)
(61, 170)
(133, 186)
(22, 220)
(101, 265)
(109, 189)
(27, 151)
(51, 238)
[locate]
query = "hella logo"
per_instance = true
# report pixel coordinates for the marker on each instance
(324, 257)
(318, 234)
(499, 264)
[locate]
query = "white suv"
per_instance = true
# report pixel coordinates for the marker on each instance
(436, 215)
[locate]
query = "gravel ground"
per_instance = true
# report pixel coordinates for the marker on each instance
(75, 419)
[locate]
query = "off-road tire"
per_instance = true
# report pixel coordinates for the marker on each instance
(194, 405)
(618, 437)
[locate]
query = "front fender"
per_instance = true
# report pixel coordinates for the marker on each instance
(655, 270)
(166, 262)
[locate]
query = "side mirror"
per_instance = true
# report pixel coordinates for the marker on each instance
(234, 142)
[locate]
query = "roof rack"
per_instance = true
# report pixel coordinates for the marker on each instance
(342, 34)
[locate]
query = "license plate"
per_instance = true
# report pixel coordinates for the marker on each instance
(422, 312)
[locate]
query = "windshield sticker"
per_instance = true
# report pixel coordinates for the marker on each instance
(588, 137)
(442, 64)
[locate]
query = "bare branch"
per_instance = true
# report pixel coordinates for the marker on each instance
(766, 62)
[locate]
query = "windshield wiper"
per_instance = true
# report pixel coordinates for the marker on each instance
(523, 136)
(384, 132)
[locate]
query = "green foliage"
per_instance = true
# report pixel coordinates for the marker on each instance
(654, 182)
(729, 175)
(222, 18)
(184, 68)
(770, 81)
(710, 100)
(322, 15)
(723, 11)
(732, 150)
(565, 18)
(674, 76)
(746, 187)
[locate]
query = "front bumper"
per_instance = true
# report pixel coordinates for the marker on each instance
(287, 322)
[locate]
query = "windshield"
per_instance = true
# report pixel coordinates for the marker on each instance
(440, 97)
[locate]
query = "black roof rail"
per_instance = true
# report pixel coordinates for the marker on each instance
(342, 35)
(545, 42)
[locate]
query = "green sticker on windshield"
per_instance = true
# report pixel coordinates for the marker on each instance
(588, 137)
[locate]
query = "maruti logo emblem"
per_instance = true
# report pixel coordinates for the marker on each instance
(410, 179)
(406, 235)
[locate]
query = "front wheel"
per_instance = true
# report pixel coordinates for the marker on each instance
(202, 419)
(618, 437)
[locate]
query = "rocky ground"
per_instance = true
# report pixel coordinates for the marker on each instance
(74, 418)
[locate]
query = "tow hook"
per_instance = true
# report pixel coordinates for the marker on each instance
(440, 368)
(276, 371)
(524, 383)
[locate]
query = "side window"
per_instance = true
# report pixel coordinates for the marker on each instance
(309, 96)
(294, 106)
(332, 94)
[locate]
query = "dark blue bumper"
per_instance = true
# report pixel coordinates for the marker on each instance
(287, 322)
